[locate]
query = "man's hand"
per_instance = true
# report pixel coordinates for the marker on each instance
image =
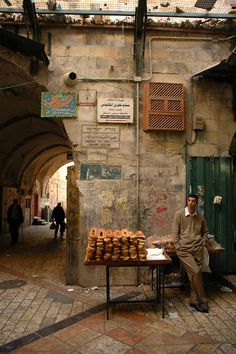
(161, 243)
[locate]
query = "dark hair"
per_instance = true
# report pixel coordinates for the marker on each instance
(191, 195)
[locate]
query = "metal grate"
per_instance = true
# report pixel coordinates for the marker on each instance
(220, 6)
(165, 13)
(163, 107)
(165, 122)
(157, 105)
(165, 90)
(174, 106)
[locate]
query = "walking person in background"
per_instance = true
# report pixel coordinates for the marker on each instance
(14, 218)
(58, 215)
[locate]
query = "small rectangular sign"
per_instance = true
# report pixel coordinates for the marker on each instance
(94, 136)
(99, 171)
(115, 110)
(55, 104)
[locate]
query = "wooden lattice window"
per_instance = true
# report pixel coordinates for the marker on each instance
(163, 107)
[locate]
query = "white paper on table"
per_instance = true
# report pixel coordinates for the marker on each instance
(153, 258)
(155, 253)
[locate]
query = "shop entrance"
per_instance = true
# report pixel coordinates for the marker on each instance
(209, 178)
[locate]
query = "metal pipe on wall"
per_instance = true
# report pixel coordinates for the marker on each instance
(137, 154)
(171, 38)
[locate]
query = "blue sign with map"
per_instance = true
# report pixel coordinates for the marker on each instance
(55, 104)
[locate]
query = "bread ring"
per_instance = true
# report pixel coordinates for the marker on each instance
(109, 233)
(101, 233)
(115, 258)
(93, 231)
(125, 232)
(139, 234)
(124, 240)
(117, 233)
(107, 239)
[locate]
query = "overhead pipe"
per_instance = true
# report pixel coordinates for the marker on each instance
(134, 79)
(209, 39)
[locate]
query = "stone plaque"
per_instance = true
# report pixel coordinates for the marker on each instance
(94, 136)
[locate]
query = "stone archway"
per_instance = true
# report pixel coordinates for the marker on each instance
(29, 144)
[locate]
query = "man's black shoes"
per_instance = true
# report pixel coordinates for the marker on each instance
(200, 306)
(204, 306)
(196, 306)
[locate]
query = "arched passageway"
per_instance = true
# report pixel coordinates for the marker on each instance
(31, 148)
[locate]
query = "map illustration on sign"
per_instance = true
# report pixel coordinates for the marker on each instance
(58, 104)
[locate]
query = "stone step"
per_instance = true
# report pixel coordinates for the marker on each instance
(38, 221)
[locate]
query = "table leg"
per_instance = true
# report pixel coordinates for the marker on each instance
(152, 269)
(157, 283)
(107, 291)
(158, 280)
(162, 291)
(160, 286)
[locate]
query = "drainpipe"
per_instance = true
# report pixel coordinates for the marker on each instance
(138, 80)
(137, 153)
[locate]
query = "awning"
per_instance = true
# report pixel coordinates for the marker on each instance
(23, 45)
(222, 71)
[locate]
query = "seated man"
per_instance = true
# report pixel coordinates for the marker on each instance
(189, 237)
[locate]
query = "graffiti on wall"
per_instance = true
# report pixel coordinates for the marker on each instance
(156, 211)
(107, 205)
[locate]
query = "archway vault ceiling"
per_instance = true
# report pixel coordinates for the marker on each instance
(28, 142)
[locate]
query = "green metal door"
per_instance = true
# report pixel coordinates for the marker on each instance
(210, 177)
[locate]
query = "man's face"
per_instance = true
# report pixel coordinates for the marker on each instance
(192, 204)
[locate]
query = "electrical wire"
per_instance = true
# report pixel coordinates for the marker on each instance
(17, 85)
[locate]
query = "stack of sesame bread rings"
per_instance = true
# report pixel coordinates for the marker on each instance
(106, 244)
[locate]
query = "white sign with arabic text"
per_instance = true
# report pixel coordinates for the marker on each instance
(115, 110)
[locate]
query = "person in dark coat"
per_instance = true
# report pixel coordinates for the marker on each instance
(14, 218)
(58, 215)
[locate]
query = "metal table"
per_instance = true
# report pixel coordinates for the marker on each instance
(158, 264)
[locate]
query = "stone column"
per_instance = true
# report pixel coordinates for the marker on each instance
(72, 237)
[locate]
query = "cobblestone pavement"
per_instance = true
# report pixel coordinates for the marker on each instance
(39, 314)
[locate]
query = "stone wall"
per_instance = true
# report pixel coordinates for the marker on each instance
(149, 184)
